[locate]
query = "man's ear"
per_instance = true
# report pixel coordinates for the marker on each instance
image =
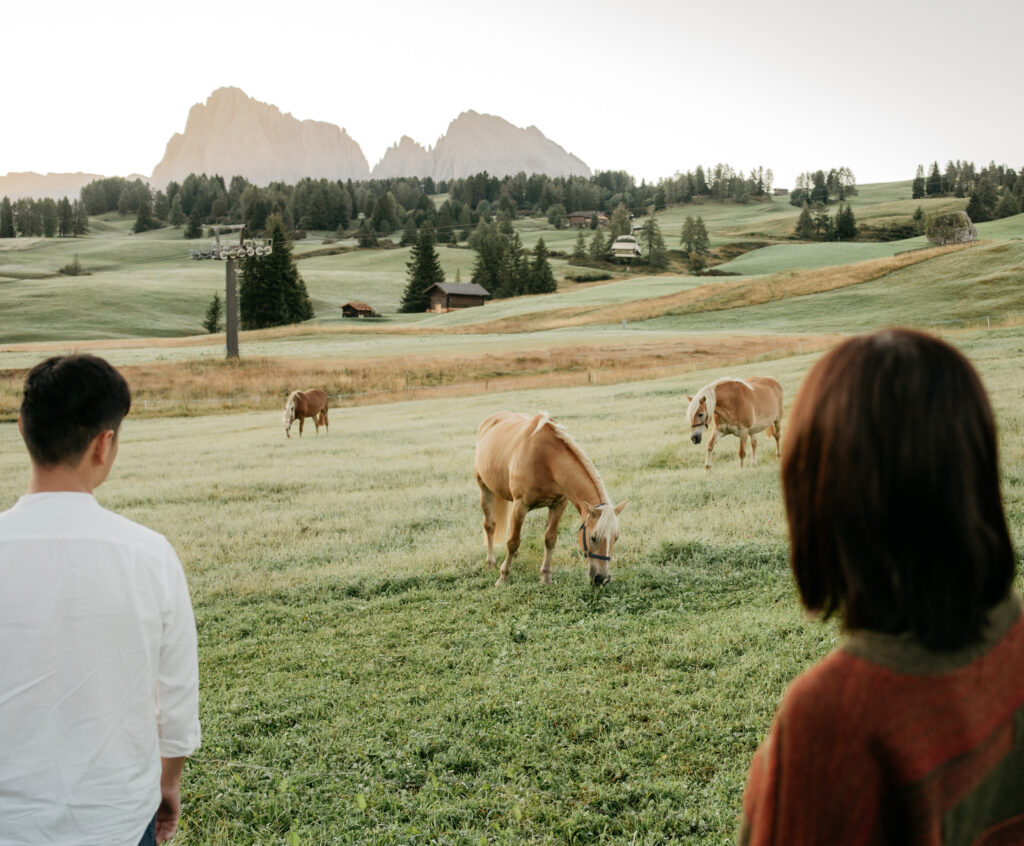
(103, 446)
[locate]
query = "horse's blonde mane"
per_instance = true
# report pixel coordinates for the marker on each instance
(559, 432)
(707, 393)
(289, 407)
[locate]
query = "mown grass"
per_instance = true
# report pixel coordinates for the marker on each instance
(364, 682)
(985, 281)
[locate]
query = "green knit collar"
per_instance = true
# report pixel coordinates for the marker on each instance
(904, 653)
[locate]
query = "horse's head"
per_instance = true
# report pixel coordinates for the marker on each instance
(699, 415)
(597, 536)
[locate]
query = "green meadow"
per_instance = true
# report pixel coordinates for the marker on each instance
(362, 680)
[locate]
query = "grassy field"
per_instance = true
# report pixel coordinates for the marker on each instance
(363, 681)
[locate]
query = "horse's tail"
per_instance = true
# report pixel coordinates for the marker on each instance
(769, 430)
(501, 512)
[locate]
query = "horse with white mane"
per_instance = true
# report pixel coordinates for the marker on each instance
(523, 463)
(303, 404)
(741, 407)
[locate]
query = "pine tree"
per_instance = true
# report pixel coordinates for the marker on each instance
(804, 225)
(845, 224)
(65, 218)
(597, 247)
(424, 270)
(687, 234)
(701, 241)
(409, 233)
(176, 217)
(214, 311)
(271, 291)
(144, 220)
(366, 237)
(657, 255)
(917, 189)
(195, 224)
(6, 218)
(542, 280)
(580, 252)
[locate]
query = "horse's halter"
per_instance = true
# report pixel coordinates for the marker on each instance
(586, 552)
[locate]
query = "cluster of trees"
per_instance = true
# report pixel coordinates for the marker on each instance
(504, 267)
(819, 186)
(270, 290)
(816, 224)
(696, 244)
(995, 191)
(44, 218)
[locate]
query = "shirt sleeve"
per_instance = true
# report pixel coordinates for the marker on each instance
(813, 780)
(177, 689)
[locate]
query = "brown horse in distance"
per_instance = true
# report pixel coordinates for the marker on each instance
(741, 407)
(523, 463)
(303, 404)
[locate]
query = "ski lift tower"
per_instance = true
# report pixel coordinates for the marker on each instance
(227, 252)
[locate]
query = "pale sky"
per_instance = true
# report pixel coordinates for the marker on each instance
(649, 87)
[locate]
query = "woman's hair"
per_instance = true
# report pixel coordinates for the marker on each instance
(891, 481)
(68, 401)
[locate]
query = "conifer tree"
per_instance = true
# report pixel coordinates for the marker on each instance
(271, 292)
(214, 311)
(597, 247)
(6, 218)
(542, 280)
(424, 270)
(657, 255)
(580, 252)
(804, 224)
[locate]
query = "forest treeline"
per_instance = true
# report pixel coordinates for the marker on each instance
(379, 207)
(995, 191)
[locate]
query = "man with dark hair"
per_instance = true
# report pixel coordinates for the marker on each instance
(99, 685)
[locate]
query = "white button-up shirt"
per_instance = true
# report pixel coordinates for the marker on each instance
(98, 672)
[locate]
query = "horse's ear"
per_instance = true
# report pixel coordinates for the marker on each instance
(590, 508)
(620, 507)
(689, 398)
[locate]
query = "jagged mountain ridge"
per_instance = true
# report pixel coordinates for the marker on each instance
(234, 134)
(477, 142)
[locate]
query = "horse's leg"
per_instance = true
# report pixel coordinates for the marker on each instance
(487, 506)
(515, 526)
(753, 449)
(711, 445)
(777, 433)
(301, 421)
(323, 414)
(550, 537)
(743, 446)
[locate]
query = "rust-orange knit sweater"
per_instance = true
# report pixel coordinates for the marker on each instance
(886, 742)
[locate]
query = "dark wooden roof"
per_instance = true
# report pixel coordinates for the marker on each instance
(357, 306)
(466, 290)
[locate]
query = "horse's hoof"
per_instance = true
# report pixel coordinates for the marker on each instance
(545, 579)
(502, 581)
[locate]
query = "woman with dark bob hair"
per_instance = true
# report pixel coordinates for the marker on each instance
(912, 730)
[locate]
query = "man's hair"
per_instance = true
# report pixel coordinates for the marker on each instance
(68, 401)
(891, 482)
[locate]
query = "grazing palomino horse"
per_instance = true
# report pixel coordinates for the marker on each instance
(523, 463)
(739, 407)
(303, 404)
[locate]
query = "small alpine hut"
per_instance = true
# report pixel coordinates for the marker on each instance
(625, 247)
(357, 310)
(447, 296)
(581, 219)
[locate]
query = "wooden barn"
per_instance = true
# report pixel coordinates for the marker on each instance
(358, 310)
(581, 219)
(446, 296)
